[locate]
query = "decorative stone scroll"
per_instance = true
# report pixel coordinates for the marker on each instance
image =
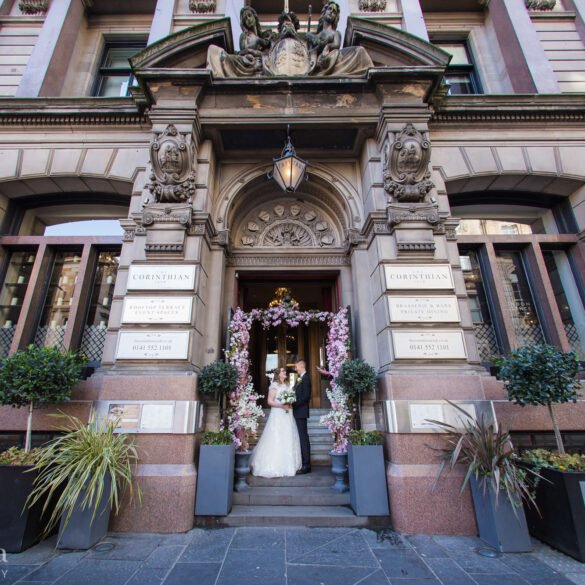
(406, 165)
(286, 225)
(173, 178)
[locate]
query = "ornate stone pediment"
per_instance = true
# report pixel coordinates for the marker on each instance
(406, 165)
(173, 177)
(286, 224)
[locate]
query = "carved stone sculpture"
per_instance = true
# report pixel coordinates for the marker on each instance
(289, 52)
(172, 178)
(406, 166)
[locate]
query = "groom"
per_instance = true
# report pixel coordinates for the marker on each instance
(301, 414)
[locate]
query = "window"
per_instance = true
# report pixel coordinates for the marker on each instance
(460, 74)
(115, 76)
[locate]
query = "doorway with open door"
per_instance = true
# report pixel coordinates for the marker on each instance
(282, 346)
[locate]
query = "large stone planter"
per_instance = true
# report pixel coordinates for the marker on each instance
(242, 470)
(367, 480)
(215, 480)
(20, 527)
(501, 524)
(83, 529)
(560, 497)
(339, 470)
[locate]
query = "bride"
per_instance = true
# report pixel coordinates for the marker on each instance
(278, 452)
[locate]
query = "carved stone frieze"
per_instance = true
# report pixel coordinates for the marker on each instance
(173, 177)
(202, 7)
(415, 246)
(406, 165)
(372, 5)
(33, 7)
(540, 4)
(128, 236)
(286, 224)
(285, 260)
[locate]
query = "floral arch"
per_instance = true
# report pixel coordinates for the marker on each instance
(243, 411)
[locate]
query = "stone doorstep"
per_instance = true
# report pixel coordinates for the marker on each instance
(291, 496)
(313, 516)
(321, 476)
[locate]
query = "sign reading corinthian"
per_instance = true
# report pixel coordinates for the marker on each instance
(289, 52)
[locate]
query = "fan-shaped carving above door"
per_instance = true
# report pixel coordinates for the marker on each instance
(287, 223)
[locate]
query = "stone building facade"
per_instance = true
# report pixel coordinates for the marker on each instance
(445, 205)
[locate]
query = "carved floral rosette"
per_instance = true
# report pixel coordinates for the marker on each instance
(173, 178)
(406, 165)
(286, 225)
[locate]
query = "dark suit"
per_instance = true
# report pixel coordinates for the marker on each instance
(301, 414)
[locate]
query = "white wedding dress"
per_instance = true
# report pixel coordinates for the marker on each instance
(278, 452)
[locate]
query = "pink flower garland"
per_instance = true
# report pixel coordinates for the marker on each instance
(338, 420)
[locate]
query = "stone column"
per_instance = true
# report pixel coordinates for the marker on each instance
(413, 20)
(162, 21)
(156, 341)
(48, 63)
(423, 325)
(528, 67)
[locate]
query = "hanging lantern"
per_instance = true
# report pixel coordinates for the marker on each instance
(289, 169)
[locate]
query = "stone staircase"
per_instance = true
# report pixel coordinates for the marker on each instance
(303, 500)
(319, 436)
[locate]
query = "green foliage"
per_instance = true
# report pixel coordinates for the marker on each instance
(488, 456)
(81, 460)
(39, 376)
(543, 459)
(218, 378)
(366, 438)
(540, 375)
(356, 377)
(222, 437)
(17, 456)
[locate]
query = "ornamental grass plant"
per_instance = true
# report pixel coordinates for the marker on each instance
(487, 453)
(80, 463)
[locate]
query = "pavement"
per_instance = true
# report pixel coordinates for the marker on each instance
(287, 556)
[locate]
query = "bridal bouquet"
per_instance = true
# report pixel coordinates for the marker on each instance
(287, 397)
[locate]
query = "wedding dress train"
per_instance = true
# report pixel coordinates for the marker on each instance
(278, 452)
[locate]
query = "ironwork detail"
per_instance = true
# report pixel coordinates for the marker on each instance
(574, 339)
(50, 337)
(487, 342)
(6, 337)
(92, 343)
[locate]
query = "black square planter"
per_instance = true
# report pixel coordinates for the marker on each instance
(20, 528)
(215, 480)
(561, 502)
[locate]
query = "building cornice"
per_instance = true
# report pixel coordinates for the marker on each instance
(509, 108)
(85, 111)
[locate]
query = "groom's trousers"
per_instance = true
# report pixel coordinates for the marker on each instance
(304, 439)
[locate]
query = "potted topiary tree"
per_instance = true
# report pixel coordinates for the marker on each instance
(87, 470)
(544, 375)
(356, 378)
(498, 485)
(30, 378)
(367, 474)
(218, 378)
(215, 474)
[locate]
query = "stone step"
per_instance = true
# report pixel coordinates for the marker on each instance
(321, 476)
(291, 496)
(316, 516)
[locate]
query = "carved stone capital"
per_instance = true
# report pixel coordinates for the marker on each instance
(372, 5)
(159, 213)
(406, 165)
(414, 213)
(173, 177)
(202, 6)
(33, 7)
(540, 4)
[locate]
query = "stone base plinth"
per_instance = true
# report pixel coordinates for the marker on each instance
(168, 501)
(416, 508)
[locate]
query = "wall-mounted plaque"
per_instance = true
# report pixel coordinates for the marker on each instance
(436, 344)
(157, 310)
(161, 277)
(424, 309)
(418, 276)
(153, 345)
(421, 413)
(157, 417)
(127, 415)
